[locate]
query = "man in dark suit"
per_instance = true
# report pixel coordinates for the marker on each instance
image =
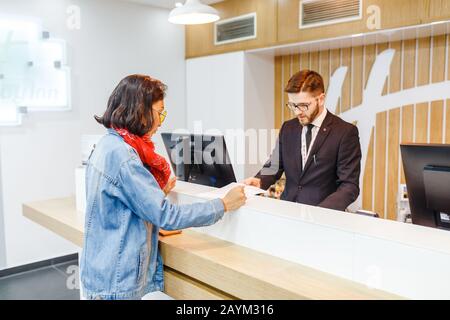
(319, 152)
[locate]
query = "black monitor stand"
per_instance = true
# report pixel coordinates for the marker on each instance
(436, 181)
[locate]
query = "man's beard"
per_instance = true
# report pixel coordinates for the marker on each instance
(309, 119)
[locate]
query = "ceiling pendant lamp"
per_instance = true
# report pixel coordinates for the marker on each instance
(193, 12)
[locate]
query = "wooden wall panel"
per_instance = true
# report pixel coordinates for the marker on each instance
(395, 83)
(295, 63)
(423, 78)
(357, 76)
(409, 64)
(407, 121)
(447, 104)
(423, 67)
(335, 63)
(448, 56)
(380, 163)
(421, 124)
(304, 61)
(447, 129)
(314, 62)
(437, 75)
(437, 10)
(438, 69)
(407, 135)
(287, 113)
(369, 59)
(367, 187)
(346, 60)
(409, 81)
(396, 68)
(436, 117)
(393, 156)
(324, 66)
(380, 48)
(278, 92)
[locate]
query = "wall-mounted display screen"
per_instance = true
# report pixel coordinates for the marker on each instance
(34, 75)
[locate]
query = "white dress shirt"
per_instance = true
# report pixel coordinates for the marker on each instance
(317, 124)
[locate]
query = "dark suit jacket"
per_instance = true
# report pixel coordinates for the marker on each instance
(332, 180)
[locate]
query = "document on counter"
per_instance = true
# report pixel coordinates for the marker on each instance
(250, 191)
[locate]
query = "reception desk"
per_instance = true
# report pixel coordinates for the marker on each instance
(272, 249)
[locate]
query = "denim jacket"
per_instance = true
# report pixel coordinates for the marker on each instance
(125, 208)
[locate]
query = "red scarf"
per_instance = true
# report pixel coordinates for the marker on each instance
(158, 166)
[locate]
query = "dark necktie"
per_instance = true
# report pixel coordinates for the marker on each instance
(309, 136)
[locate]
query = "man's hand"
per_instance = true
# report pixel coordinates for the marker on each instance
(170, 185)
(255, 182)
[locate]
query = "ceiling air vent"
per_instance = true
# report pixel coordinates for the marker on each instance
(235, 29)
(315, 13)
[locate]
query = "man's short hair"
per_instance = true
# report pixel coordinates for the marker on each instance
(305, 81)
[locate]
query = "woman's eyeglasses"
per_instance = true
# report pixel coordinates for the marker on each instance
(162, 115)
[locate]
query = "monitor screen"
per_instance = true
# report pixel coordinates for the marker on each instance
(200, 159)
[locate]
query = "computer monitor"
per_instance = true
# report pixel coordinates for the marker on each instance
(200, 159)
(427, 173)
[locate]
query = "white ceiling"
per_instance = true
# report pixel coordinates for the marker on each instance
(168, 4)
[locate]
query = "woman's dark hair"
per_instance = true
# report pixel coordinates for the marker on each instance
(130, 104)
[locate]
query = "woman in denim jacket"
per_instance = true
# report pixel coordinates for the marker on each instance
(126, 188)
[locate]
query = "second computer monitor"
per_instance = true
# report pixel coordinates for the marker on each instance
(427, 173)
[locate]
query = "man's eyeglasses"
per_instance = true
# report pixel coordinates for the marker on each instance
(302, 106)
(298, 106)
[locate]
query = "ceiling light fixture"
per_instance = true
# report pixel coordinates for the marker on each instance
(193, 12)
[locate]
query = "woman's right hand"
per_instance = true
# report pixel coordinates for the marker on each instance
(234, 199)
(170, 185)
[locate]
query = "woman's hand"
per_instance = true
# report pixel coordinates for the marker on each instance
(234, 199)
(170, 185)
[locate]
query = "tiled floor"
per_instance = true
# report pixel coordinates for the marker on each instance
(48, 283)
